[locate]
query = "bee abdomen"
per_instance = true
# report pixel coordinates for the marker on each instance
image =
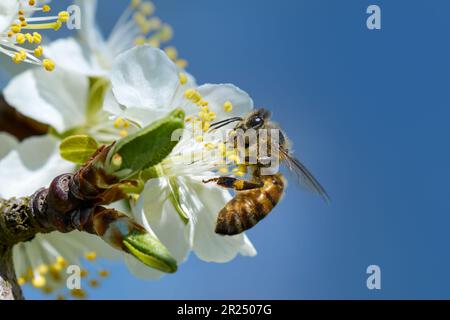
(247, 208)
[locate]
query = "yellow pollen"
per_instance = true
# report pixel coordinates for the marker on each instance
(147, 8)
(92, 255)
(135, 3)
(21, 281)
(199, 138)
(38, 281)
(63, 16)
(123, 133)
(43, 269)
(38, 51)
(83, 273)
(48, 64)
(183, 78)
(78, 293)
(118, 123)
(126, 124)
(210, 146)
(20, 38)
(228, 106)
(94, 283)
(61, 261)
(31, 2)
(139, 41)
(206, 126)
(46, 8)
(16, 28)
(181, 63)
(171, 53)
(103, 273)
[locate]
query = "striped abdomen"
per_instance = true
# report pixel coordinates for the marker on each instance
(248, 207)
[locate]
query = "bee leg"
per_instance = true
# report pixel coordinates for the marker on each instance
(236, 184)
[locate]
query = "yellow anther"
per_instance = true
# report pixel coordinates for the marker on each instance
(78, 293)
(171, 52)
(118, 123)
(16, 28)
(94, 283)
(84, 273)
(38, 281)
(166, 33)
(181, 63)
(42, 269)
(199, 138)
(61, 261)
(211, 116)
(21, 18)
(31, 2)
(154, 42)
(20, 38)
(92, 255)
(21, 281)
(228, 106)
(139, 41)
(37, 37)
(29, 38)
(48, 64)
(135, 3)
(63, 16)
(21, 12)
(103, 273)
(126, 124)
(192, 95)
(38, 51)
(46, 8)
(60, 297)
(56, 25)
(23, 23)
(123, 133)
(147, 8)
(10, 34)
(206, 126)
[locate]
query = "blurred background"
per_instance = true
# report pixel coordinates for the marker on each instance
(368, 113)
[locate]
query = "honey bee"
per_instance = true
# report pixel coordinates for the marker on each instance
(255, 198)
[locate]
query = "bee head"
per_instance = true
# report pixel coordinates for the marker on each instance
(255, 120)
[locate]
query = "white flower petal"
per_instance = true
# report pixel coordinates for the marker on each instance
(155, 212)
(8, 10)
(218, 94)
(31, 165)
(144, 77)
(7, 143)
(208, 245)
(58, 98)
(69, 55)
(90, 32)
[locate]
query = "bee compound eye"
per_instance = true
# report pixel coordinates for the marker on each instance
(255, 122)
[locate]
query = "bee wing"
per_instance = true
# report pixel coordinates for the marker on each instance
(304, 177)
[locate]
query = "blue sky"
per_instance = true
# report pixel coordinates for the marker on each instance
(367, 112)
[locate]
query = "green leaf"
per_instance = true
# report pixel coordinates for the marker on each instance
(150, 251)
(145, 148)
(78, 148)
